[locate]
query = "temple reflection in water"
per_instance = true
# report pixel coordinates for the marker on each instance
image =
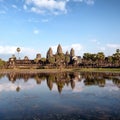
(57, 96)
(65, 79)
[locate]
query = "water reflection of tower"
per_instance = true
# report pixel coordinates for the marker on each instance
(60, 85)
(116, 81)
(72, 83)
(50, 84)
(12, 77)
(38, 79)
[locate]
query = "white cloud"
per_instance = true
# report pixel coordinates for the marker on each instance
(102, 48)
(88, 2)
(2, 12)
(109, 49)
(78, 0)
(77, 47)
(115, 46)
(45, 20)
(43, 6)
(14, 6)
(7, 49)
(24, 7)
(37, 10)
(12, 87)
(7, 87)
(10, 50)
(95, 41)
(36, 31)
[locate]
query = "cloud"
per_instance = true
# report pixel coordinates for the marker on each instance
(2, 12)
(7, 87)
(7, 51)
(88, 2)
(78, 0)
(109, 49)
(45, 20)
(77, 47)
(95, 41)
(36, 31)
(113, 46)
(14, 6)
(37, 10)
(44, 6)
(24, 7)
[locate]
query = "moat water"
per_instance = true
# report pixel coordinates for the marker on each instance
(60, 96)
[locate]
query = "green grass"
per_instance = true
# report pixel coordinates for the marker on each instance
(111, 70)
(115, 70)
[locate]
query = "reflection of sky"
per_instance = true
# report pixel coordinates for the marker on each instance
(8, 86)
(110, 86)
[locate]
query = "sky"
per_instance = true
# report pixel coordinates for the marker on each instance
(35, 25)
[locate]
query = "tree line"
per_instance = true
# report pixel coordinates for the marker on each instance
(69, 59)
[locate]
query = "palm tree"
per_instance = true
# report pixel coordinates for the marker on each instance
(116, 58)
(18, 50)
(117, 50)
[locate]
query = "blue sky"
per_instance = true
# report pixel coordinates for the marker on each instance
(35, 25)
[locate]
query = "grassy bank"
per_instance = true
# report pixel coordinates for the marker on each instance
(114, 70)
(34, 70)
(111, 70)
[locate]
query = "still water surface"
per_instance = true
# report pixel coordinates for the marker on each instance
(62, 96)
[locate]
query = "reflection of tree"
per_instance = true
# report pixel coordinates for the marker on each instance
(90, 80)
(116, 81)
(66, 79)
(100, 78)
(2, 75)
(18, 89)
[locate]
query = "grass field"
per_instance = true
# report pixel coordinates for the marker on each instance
(111, 70)
(117, 70)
